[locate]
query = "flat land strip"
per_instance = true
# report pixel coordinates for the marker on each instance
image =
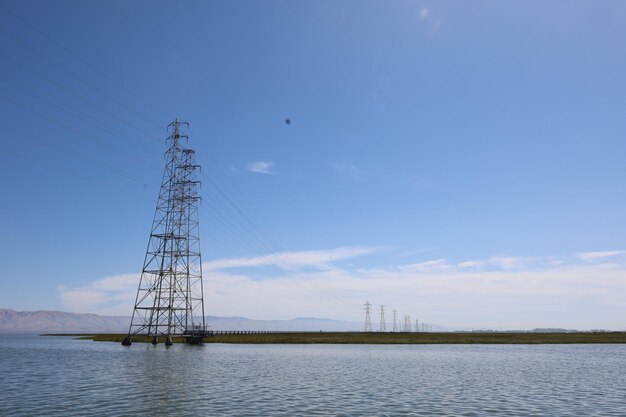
(376, 338)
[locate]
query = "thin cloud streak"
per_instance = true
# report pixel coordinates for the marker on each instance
(290, 260)
(109, 296)
(349, 171)
(261, 167)
(590, 256)
(497, 292)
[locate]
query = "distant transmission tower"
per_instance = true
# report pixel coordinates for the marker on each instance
(383, 325)
(417, 325)
(407, 324)
(169, 299)
(368, 321)
(395, 323)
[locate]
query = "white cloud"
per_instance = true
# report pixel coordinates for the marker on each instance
(432, 265)
(510, 262)
(470, 264)
(350, 171)
(592, 256)
(430, 21)
(261, 167)
(505, 292)
(116, 294)
(110, 295)
(291, 260)
(572, 296)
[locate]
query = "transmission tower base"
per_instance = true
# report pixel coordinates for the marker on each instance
(194, 340)
(127, 341)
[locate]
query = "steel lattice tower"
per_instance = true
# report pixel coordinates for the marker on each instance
(407, 323)
(368, 321)
(170, 299)
(382, 326)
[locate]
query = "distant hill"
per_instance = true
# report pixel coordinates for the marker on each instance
(43, 321)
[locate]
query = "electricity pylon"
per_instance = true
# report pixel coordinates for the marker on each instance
(395, 323)
(170, 298)
(368, 321)
(407, 324)
(383, 326)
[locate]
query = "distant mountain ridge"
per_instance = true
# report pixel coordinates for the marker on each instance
(44, 321)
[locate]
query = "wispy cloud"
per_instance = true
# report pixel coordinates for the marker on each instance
(470, 264)
(432, 265)
(349, 171)
(110, 295)
(429, 20)
(502, 291)
(261, 167)
(320, 259)
(590, 256)
(510, 262)
(115, 294)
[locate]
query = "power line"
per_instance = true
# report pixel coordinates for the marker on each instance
(81, 59)
(54, 62)
(81, 97)
(78, 176)
(55, 102)
(78, 155)
(253, 231)
(243, 215)
(268, 245)
(74, 130)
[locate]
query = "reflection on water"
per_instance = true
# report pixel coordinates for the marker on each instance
(52, 376)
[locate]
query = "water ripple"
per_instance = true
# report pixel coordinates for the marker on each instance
(63, 377)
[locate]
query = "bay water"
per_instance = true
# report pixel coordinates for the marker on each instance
(62, 376)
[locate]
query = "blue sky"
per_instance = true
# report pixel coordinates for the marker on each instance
(483, 141)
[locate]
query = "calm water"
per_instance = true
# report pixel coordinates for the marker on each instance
(51, 376)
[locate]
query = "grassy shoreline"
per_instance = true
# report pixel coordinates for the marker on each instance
(386, 338)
